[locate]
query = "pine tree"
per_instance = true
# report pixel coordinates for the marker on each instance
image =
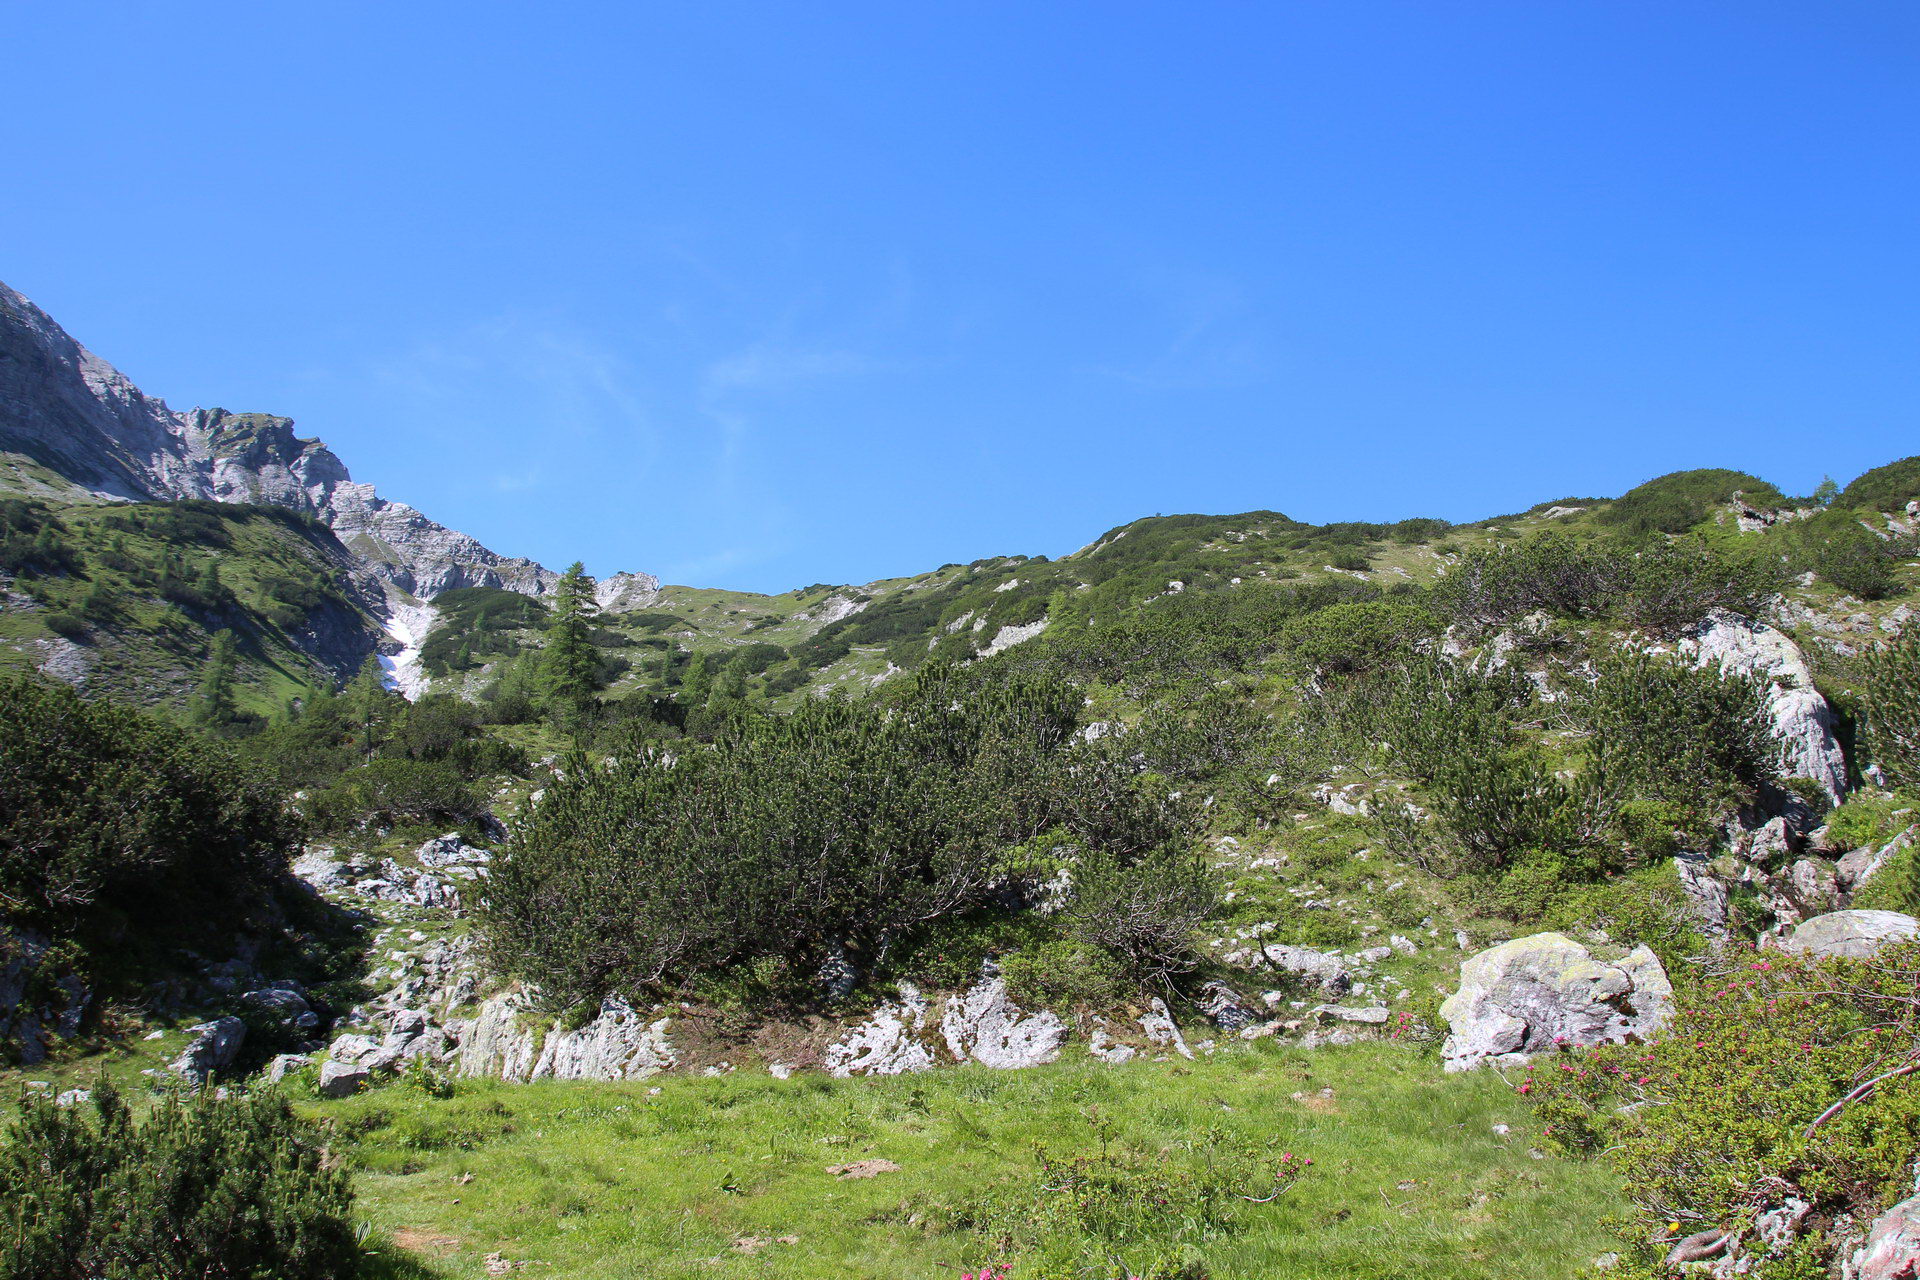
(213, 699)
(570, 665)
(369, 705)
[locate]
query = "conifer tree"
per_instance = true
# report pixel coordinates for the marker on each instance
(570, 665)
(213, 699)
(369, 705)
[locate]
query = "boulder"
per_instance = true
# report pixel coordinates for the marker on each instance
(1161, 1029)
(342, 1079)
(1546, 991)
(284, 1064)
(282, 1003)
(1856, 934)
(1323, 969)
(1859, 866)
(449, 851)
(1802, 720)
(1229, 1011)
(1892, 1247)
(986, 1026)
(1102, 1045)
(214, 1046)
(511, 1040)
(887, 1044)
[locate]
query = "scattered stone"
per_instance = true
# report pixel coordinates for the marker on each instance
(1855, 934)
(73, 1097)
(1699, 1246)
(1229, 1011)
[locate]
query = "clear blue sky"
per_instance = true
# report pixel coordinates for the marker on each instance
(759, 295)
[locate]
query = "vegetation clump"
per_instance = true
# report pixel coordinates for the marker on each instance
(198, 1187)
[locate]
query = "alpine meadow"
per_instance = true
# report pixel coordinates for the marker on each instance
(1250, 896)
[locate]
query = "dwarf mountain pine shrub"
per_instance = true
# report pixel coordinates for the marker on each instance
(201, 1187)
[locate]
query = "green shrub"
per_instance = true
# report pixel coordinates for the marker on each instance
(841, 826)
(1885, 488)
(387, 792)
(1699, 739)
(1647, 906)
(1716, 1120)
(201, 1187)
(1871, 818)
(1890, 696)
(1676, 502)
(1346, 639)
(117, 826)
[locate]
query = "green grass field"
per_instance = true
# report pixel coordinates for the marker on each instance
(691, 1176)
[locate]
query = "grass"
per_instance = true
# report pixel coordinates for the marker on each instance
(667, 1178)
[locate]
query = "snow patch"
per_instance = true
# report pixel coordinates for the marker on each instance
(409, 624)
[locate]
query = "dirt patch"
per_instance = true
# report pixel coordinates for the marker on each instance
(863, 1169)
(414, 1240)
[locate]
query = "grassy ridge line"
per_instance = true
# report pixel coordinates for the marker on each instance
(593, 1181)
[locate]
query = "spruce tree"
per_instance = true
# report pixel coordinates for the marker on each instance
(570, 665)
(213, 699)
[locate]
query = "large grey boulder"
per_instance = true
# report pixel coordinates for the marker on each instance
(1537, 993)
(1892, 1247)
(1855, 934)
(342, 1079)
(1802, 721)
(987, 1027)
(888, 1043)
(282, 1002)
(214, 1045)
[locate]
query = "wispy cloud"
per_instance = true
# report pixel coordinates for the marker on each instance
(1210, 339)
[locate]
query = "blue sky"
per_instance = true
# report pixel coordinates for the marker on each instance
(761, 295)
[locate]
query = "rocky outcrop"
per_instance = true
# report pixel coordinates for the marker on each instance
(887, 1044)
(1892, 1247)
(1802, 720)
(509, 1040)
(1854, 934)
(987, 1027)
(1547, 991)
(215, 1045)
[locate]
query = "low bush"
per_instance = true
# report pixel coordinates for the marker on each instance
(1740, 1104)
(390, 792)
(1890, 696)
(201, 1187)
(117, 826)
(843, 827)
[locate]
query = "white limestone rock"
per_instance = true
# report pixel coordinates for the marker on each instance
(1802, 720)
(889, 1043)
(1854, 934)
(987, 1027)
(1535, 993)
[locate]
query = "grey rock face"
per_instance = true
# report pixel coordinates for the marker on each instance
(71, 411)
(507, 1041)
(214, 1045)
(1228, 1009)
(1802, 720)
(1856, 934)
(1533, 994)
(27, 1026)
(284, 1064)
(887, 1044)
(1892, 1247)
(1707, 894)
(986, 1026)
